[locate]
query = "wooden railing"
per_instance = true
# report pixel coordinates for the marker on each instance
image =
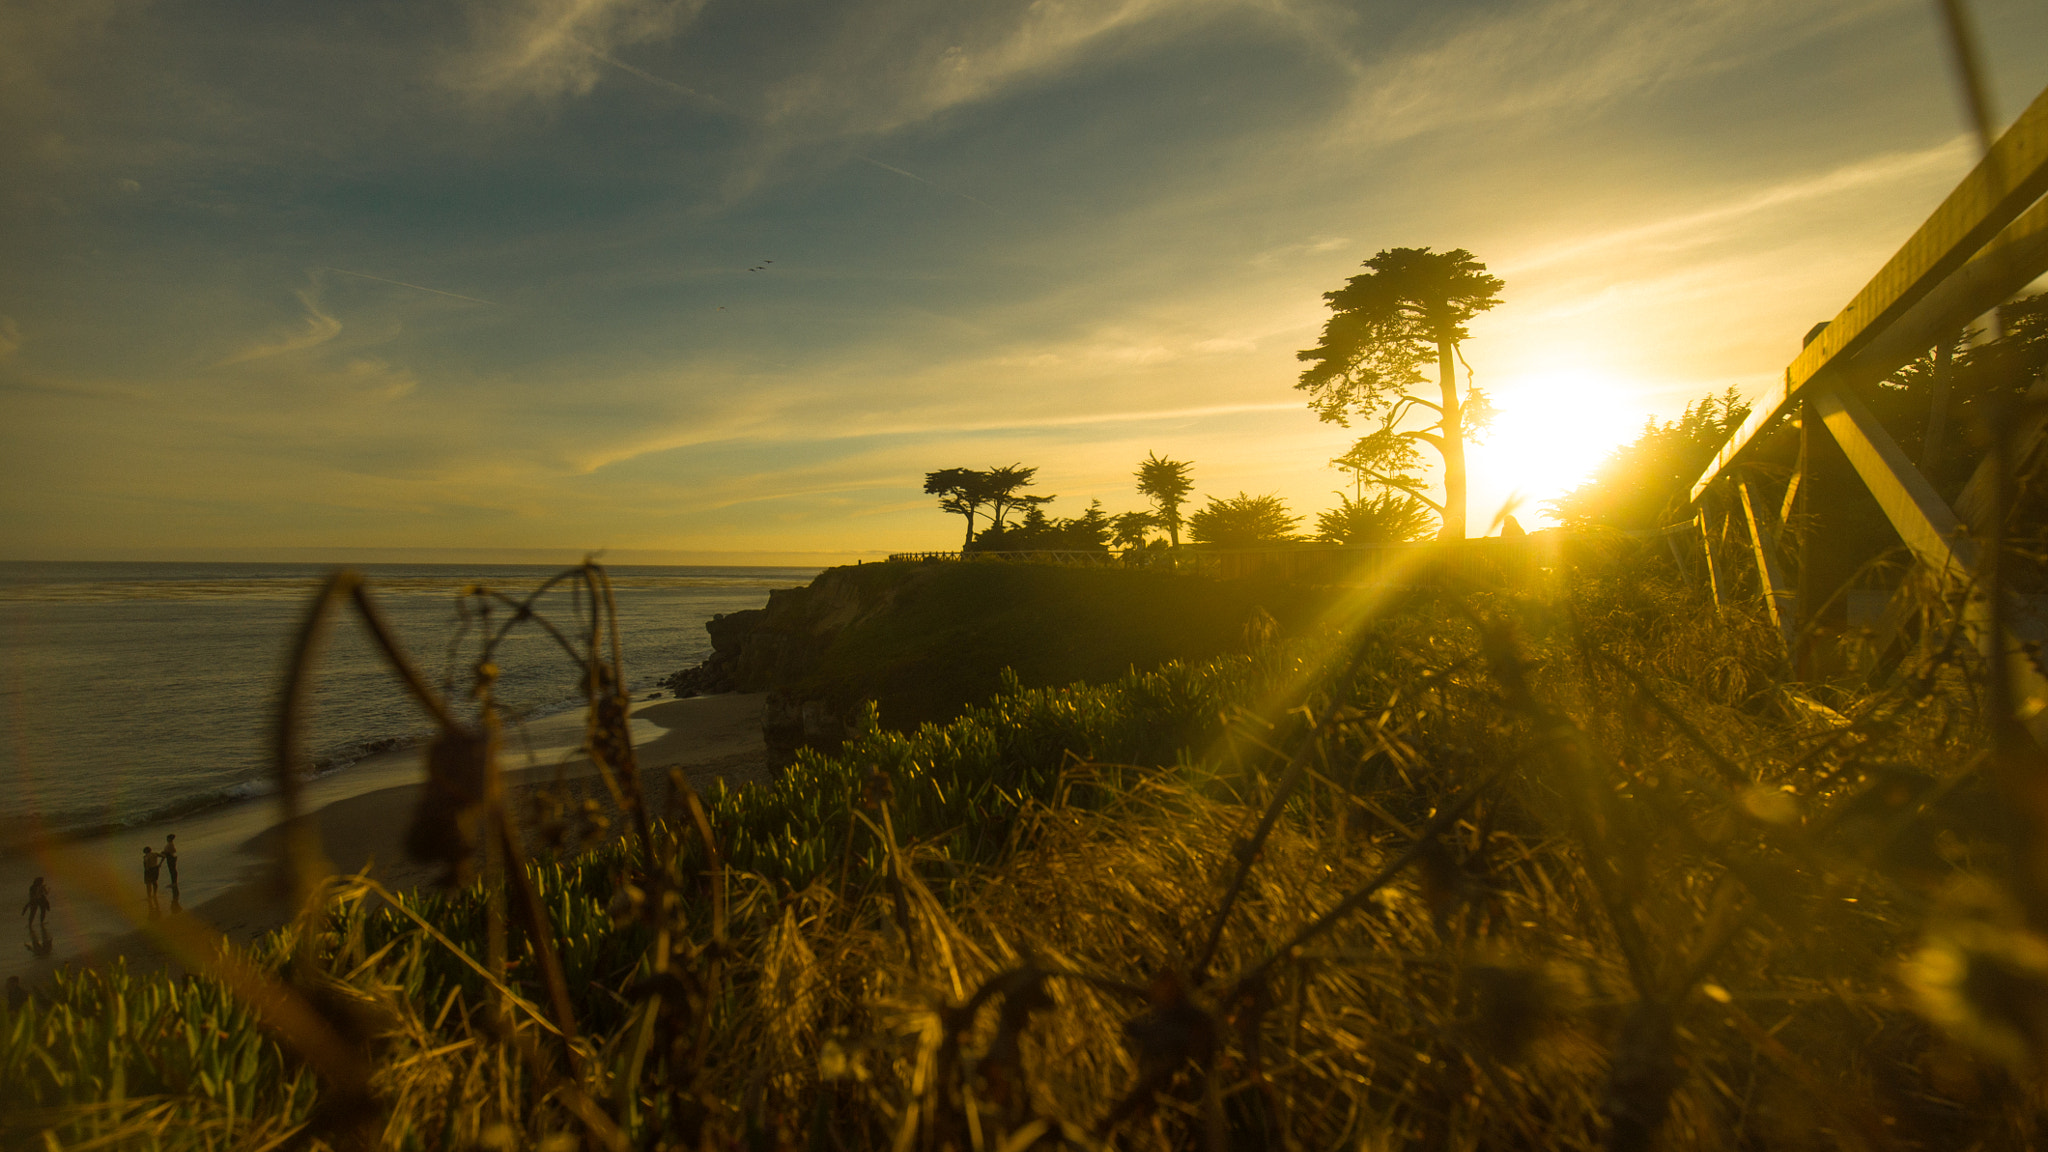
(1491, 561)
(1035, 556)
(1985, 243)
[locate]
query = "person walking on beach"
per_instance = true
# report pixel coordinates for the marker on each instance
(16, 994)
(38, 904)
(170, 855)
(150, 863)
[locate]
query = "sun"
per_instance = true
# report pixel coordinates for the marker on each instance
(1553, 429)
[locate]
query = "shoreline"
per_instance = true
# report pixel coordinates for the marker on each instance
(227, 856)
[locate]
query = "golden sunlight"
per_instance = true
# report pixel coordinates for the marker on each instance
(1553, 429)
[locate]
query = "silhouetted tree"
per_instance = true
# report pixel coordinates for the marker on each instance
(1037, 532)
(1090, 530)
(1384, 325)
(1005, 492)
(1165, 482)
(962, 491)
(1243, 521)
(1647, 482)
(1127, 529)
(1386, 518)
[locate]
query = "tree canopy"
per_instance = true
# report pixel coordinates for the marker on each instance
(961, 491)
(965, 491)
(1128, 529)
(1244, 521)
(1647, 482)
(1037, 532)
(1166, 483)
(1385, 324)
(1385, 518)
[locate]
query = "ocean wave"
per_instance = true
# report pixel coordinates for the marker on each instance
(79, 824)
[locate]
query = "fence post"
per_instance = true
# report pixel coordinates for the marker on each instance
(1768, 575)
(1707, 546)
(1930, 528)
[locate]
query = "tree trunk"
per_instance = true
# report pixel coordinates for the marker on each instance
(1454, 442)
(969, 542)
(1173, 530)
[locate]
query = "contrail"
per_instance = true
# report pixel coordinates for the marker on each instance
(650, 77)
(419, 287)
(929, 184)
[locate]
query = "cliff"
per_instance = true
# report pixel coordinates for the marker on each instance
(925, 640)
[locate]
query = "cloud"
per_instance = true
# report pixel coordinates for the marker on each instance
(1572, 54)
(895, 64)
(547, 49)
(319, 329)
(1315, 247)
(407, 284)
(1703, 226)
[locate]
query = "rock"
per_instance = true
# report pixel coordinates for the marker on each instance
(774, 649)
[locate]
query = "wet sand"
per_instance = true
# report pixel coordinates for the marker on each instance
(228, 857)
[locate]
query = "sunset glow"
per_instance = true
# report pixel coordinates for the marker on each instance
(1554, 428)
(721, 282)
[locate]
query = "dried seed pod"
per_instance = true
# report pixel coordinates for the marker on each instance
(1643, 1074)
(1512, 1003)
(1002, 1066)
(1442, 880)
(444, 824)
(1174, 1034)
(876, 790)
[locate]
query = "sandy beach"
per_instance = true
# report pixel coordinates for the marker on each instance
(228, 855)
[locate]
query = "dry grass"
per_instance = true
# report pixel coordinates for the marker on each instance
(1565, 869)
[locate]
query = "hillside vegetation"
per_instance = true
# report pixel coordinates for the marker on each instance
(1562, 868)
(950, 633)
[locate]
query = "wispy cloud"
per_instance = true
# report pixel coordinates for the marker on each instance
(544, 49)
(927, 183)
(1563, 54)
(318, 329)
(415, 287)
(1315, 247)
(1707, 225)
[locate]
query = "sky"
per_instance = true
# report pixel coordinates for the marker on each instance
(700, 281)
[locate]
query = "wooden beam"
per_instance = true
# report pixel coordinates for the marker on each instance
(1934, 534)
(1707, 545)
(2007, 265)
(1791, 502)
(1777, 597)
(2012, 175)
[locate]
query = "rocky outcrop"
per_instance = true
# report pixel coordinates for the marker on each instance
(778, 648)
(720, 671)
(925, 640)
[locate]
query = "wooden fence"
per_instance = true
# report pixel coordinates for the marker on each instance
(1985, 243)
(1492, 561)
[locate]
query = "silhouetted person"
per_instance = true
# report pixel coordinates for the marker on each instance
(16, 994)
(170, 855)
(38, 904)
(151, 862)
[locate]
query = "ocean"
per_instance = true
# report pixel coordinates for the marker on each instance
(134, 692)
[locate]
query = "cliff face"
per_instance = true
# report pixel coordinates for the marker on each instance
(780, 648)
(925, 640)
